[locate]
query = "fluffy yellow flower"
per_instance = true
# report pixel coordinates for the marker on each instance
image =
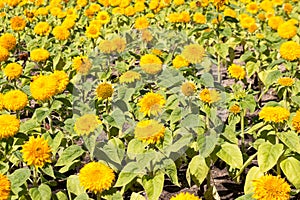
(96, 177)
(188, 88)
(43, 87)
(185, 196)
(130, 77)
(36, 152)
(287, 30)
(141, 23)
(229, 12)
(288, 8)
(193, 53)
(15, 100)
(274, 114)
(285, 81)
(86, 124)
(61, 33)
(92, 31)
(82, 64)
(107, 46)
(150, 131)
(39, 55)
(252, 8)
(275, 21)
(179, 61)
(119, 43)
(4, 187)
(290, 50)
(9, 126)
(235, 109)
(104, 91)
(151, 103)
(271, 187)
(146, 35)
(17, 23)
(199, 18)
(209, 96)
(4, 54)
(8, 41)
(296, 121)
(69, 22)
(62, 79)
(103, 17)
(13, 71)
(42, 28)
(151, 64)
(237, 71)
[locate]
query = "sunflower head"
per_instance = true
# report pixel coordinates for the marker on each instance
(42, 28)
(13, 71)
(62, 80)
(193, 53)
(237, 71)
(179, 61)
(4, 187)
(15, 100)
(130, 77)
(274, 114)
(151, 64)
(290, 50)
(96, 177)
(150, 131)
(107, 46)
(17, 23)
(188, 88)
(9, 126)
(8, 41)
(82, 64)
(271, 187)
(141, 23)
(185, 196)
(104, 91)
(151, 103)
(36, 152)
(4, 54)
(39, 55)
(86, 124)
(296, 121)
(61, 33)
(285, 81)
(209, 96)
(43, 87)
(235, 109)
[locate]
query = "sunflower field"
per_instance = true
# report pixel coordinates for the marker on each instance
(149, 99)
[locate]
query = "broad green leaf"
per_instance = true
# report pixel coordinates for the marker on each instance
(268, 154)
(252, 174)
(136, 196)
(153, 185)
(251, 68)
(168, 166)
(29, 125)
(179, 146)
(128, 173)
(291, 140)
(176, 115)
(35, 194)
(207, 80)
(221, 49)
(114, 196)
(55, 143)
(69, 155)
(290, 167)
(45, 191)
(90, 143)
(246, 197)
(231, 154)
(83, 196)
(191, 121)
(61, 196)
(135, 147)
(41, 113)
(48, 170)
(4, 167)
(206, 144)
(19, 177)
(73, 185)
(198, 169)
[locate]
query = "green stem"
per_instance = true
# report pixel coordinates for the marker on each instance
(277, 142)
(219, 68)
(35, 177)
(98, 196)
(248, 162)
(243, 129)
(50, 119)
(285, 98)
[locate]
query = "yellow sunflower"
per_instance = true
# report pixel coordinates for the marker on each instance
(42, 28)
(15, 100)
(193, 53)
(17, 23)
(61, 33)
(235, 109)
(287, 7)
(96, 177)
(107, 46)
(296, 121)
(271, 187)
(13, 71)
(285, 81)
(9, 126)
(290, 50)
(104, 91)
(4, 187)
(150, 131)
(237, 71)
(151, 64)
(185, 196)
(39, 55)
(36, 152)
(8, 41)
(62, 79)
(119, 43)
(199, 18)
(252, 8)
(86, 124)
(275, 21)
(287, 30)
(43, 87)
(209, 96)
(179, 61)
(146, 35)
(274, 114)
(151, 103)
(188, 88)
(103, 17)
(141, 23)
(92, 31)
(69, 22)
(82, 64)
(4, 54)
(130, 77)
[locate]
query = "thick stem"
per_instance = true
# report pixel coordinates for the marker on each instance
(243, 129)
(35, 177)
(278, 161)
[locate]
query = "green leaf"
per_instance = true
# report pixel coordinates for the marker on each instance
(246, 197)
(48, 170)
(55, 143)
(128, 173)
(222, 49)
(178, 147)
(268, 154)
(252, 67)
(90, 143)
(29, 125)
(73, 185)
(198, 169)
(207, 80)
(231, 154)
(4, 167)
(206, 144)
(45, 191)
(19, 177)
(69, 155)
(291, 140)
(83, 196)
(191, 121)
(41, 113)
(61, 196)
(176, 115)
(153, 185)
(35, 194)
(136, 196)
(290, 167)
(252, 174)
(135, 147)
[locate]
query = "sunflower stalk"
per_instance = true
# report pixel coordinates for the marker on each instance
(243, 129)
(50, 119)
(278, 171)
(35, 177)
